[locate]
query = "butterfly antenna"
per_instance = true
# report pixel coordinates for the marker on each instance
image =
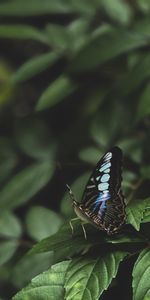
(72, 196)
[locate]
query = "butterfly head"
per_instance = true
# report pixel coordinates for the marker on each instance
(78, 208)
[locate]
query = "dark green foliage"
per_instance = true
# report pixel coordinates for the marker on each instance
(74, 81)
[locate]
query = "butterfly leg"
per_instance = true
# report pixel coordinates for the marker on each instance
(71, 225)
(84, 231)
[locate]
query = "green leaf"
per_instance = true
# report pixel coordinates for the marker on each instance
(144, 5)
(132, 148)
(105, 47)
(34, 66)
(68, 38)
(146, 215)
(143, 25)
(117, 10)
(10, 226)
(77, 187)
(128, 179)
(145, 172)
(23, 186)
(7, 249)
(48, 285)
(91, 155)
(58, 36)
(33, 7)
(64, 243)
(144, 104)
(22, 32)
(135, 211)
(78, 32)
(6, 88)
(55, 93)
(86, 279)
(105, 124)
(8, 158)
(34, 139)
(137, 75)
(141, 275)
(42, 222)
(30, 266)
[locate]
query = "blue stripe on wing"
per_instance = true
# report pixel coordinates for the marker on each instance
(100, 202)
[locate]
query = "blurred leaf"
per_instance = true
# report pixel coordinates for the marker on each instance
(128, 179)
(144, 104)
(6, 88)
(144, 5)
(68, 38)
(106, 47)
(145, 172)
(132, 148)
(86, 279)
(42, 222)
(48, 285)
(59, 36)
(29, 266)
(135, 212)
(104, 127)
(21, 32)
(78, 32)
(10, 226)
(95, 99)
(23, 186)
(55, 93)
(136, 76)
(7, 249)
(8, 158)
(90, 155)
(77, 188)
(34, 139)
(141, 275)
(33, 7)
(34, 66)
(142, 26)
(118, 10)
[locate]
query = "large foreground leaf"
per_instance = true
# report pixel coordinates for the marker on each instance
(86, 279)
(49, 285)
(141, 276)
(135, 212)
(64, 243)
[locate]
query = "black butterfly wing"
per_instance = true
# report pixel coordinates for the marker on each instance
(102, 202)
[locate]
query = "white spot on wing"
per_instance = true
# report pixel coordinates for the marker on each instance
(105, 178)
(90, 186)
(105, 166)
(103, 186)
(107, 171)
(108, 156)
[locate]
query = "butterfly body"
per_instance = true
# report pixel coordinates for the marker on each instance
(103, 202)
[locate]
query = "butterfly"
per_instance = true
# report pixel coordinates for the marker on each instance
(102, 203)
